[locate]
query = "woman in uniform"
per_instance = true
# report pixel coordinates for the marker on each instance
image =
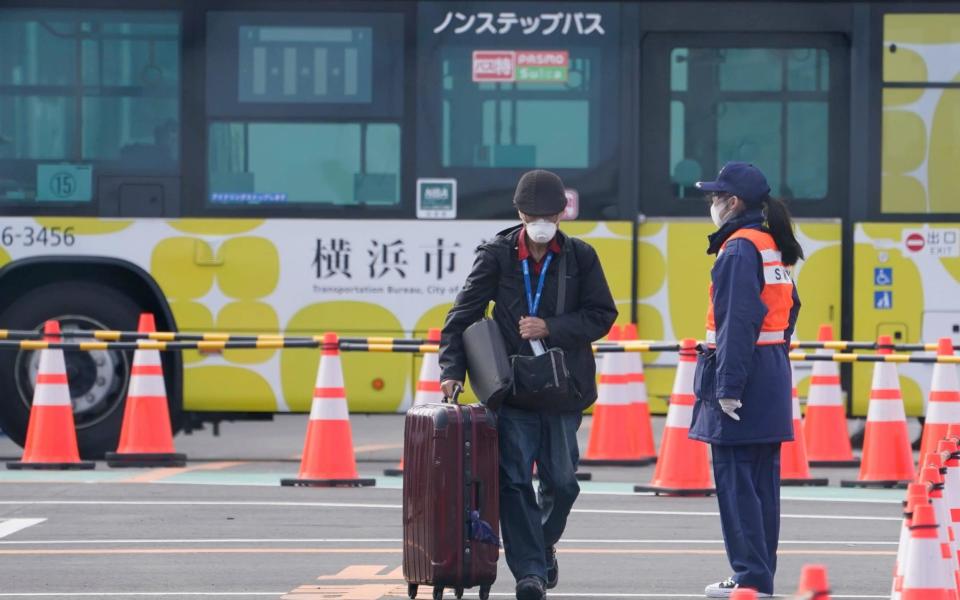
(743, 379)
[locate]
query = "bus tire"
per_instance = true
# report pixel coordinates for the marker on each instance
(98, 380)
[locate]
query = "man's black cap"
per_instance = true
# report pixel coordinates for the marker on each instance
(540, 194)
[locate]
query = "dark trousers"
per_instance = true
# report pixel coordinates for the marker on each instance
(748, 491)
(530, 525)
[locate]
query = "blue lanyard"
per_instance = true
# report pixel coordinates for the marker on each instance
(533, 302)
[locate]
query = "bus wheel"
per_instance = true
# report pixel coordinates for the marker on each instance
(97, 379)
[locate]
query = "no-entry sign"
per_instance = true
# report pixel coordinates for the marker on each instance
(914, 242)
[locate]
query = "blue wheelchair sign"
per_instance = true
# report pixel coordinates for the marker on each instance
(883, 276)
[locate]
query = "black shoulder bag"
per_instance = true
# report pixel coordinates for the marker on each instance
(542, 382)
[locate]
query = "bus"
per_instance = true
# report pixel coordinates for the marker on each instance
(307, 166)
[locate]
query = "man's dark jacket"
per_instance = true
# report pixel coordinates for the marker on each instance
(497, 276)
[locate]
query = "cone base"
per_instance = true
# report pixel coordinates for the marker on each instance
(657, 489)
(613, 462)
(393, 472)
(328, 482)
(151, 459)
(42, 466)
(806, 481)
(899, 484)
(835, 463)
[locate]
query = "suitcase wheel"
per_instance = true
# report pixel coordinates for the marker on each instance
(438, 593)
(484, 592)
(458, 592)
(412, 590)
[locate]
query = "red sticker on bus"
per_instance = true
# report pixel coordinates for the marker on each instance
(915, 242)
(493, 65)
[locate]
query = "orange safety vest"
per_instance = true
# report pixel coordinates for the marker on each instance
(777, 292)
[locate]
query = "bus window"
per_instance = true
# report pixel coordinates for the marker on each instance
(921, 114)
(508, 87)
(518, 124)
(769, 106)
(113, 110)
(305, 109)
(331, 163)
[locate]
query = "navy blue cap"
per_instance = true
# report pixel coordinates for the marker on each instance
(740, 179)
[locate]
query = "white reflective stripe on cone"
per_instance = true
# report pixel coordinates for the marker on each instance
(329, 374)
(683, 381)
(329, 409)
(147, 385)
(679, 415)
(614, 394)
(925, 567)
(943, 413)
(616, 363)
(797, 414)
(944, 378)
(48, 393)
(885, 377)
(146, 358)
(886, 411)
(824, 395)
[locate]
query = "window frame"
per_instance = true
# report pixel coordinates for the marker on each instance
(74, 93)
(196, 183)
(486, 192)
(657, 197)
(874, 210)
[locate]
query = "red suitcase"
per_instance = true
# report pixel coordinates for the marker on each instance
(451, 507)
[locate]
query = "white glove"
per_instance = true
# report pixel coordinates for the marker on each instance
(729, 406)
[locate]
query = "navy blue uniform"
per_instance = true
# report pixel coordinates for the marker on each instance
(746, 453)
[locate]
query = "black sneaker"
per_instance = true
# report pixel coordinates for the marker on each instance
(531, 588)
(553, 569)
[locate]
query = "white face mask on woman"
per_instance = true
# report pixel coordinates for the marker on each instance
(541, 231)
(721, 213)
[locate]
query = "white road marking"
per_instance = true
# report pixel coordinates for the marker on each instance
(11, 526)
(398, 541)
(277, 594)
(601, 511)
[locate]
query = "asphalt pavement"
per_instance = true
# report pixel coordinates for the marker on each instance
(224, 527)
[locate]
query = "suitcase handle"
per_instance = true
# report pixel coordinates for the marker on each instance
(457, 390)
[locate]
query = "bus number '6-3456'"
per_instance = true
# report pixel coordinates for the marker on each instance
(41, 236)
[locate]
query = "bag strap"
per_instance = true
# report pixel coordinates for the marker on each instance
(562, 281)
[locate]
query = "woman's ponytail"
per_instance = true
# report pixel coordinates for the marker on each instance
(781, 228)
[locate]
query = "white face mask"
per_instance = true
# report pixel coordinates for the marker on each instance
(541, 231)
(718, 213)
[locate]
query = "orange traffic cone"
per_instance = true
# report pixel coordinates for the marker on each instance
(947, 449)
(916, 494)
(887, 456)
(943, 408)
(613, 434)
(926, 575)
(428, 387)
(640, 405)
(813, 583)
(825, 427)
(794, 468)
(146, 439)
(51, 438)
(683, 468)
(932, 476)
(744, 594)
(328, 458)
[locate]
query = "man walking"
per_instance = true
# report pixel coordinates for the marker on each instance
(519, 270)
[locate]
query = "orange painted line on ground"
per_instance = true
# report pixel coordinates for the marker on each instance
(370, 591)
(589, 551)
(163, 473)
(365, 572)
